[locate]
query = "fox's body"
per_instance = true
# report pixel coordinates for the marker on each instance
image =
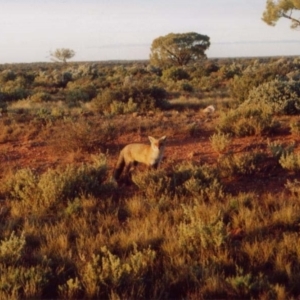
(133, 154)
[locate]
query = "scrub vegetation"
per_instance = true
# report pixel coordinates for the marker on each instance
(218, 220)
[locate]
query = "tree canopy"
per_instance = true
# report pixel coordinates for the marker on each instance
(62, 54)
(178, 49)
(281, 9)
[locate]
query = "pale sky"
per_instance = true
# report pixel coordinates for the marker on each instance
(124, 29)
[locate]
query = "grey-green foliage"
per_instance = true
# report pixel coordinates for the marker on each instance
(240, 164)
(11, 248)
(278, 149)
(200, 181)
(109, 270)
(256, 73)
(7, 75)
(247, 120)
(186, 179)
(37, 191)
(175, 74)
(196, 234)
(280, 96)
(291, 162)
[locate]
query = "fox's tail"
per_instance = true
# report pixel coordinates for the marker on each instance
(119, 166)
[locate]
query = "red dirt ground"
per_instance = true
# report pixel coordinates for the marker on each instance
(271, 178)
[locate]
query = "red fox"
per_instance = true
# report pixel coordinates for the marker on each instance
(132, 154)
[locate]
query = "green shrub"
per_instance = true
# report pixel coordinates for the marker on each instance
(187, 87)
(74, 97)
(117, 107)
(104, 99)
(7, 75)
(60, 79)
(71, 289)
(107, 271)
(144, 96)
(293, 187)
(79, 93)
(280, 96)
(220, 141)
(83, 135)
(194, 234)
(175, 74)
(205, 69)
(40, 97)
(22, 282)
(12, 92)
(199, 181)
(207, 83)
(3, 103)
(66, 77)
(186, 179)
(240, 86)
(148, 97)
(291, 162)
(22, 185)
(254, 75)
(277, 149)
(27, 77)
(39, 193)
(229, 71)
(239, 164)
(154, 183)
(12, 248)
(295, 127)
(247, 120)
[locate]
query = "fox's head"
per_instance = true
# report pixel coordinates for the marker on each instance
(157, 144)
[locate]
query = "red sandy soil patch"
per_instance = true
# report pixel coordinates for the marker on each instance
(271, 178)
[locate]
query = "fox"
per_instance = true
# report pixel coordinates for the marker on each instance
(132, 154)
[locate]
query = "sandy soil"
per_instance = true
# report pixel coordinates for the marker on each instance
(271, 178)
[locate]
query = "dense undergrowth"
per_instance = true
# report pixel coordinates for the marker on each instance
(68, 233)
(179, 232)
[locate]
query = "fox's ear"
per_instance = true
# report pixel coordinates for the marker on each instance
(163, 138)
(151, 139)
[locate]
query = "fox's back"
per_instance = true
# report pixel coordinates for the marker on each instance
(147, 154)
(137, 152)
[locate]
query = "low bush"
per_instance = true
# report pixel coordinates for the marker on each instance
(187, 179)
(117, 108)
(290, 161)
(281, 96)
(41, 194)
(247, 120)
(7, 75)
(278, 149)
(239, 164)
(220, 142)
(145, 98)
(175, 74)
(40, 97)
(295, 127)
(81, 135)
(255, 74)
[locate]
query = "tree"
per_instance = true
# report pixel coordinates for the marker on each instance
(178, 49)
(62, 54)
(281, 9)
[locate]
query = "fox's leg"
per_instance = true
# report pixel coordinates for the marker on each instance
(155, 166)
(132, 166)
(127, 169)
